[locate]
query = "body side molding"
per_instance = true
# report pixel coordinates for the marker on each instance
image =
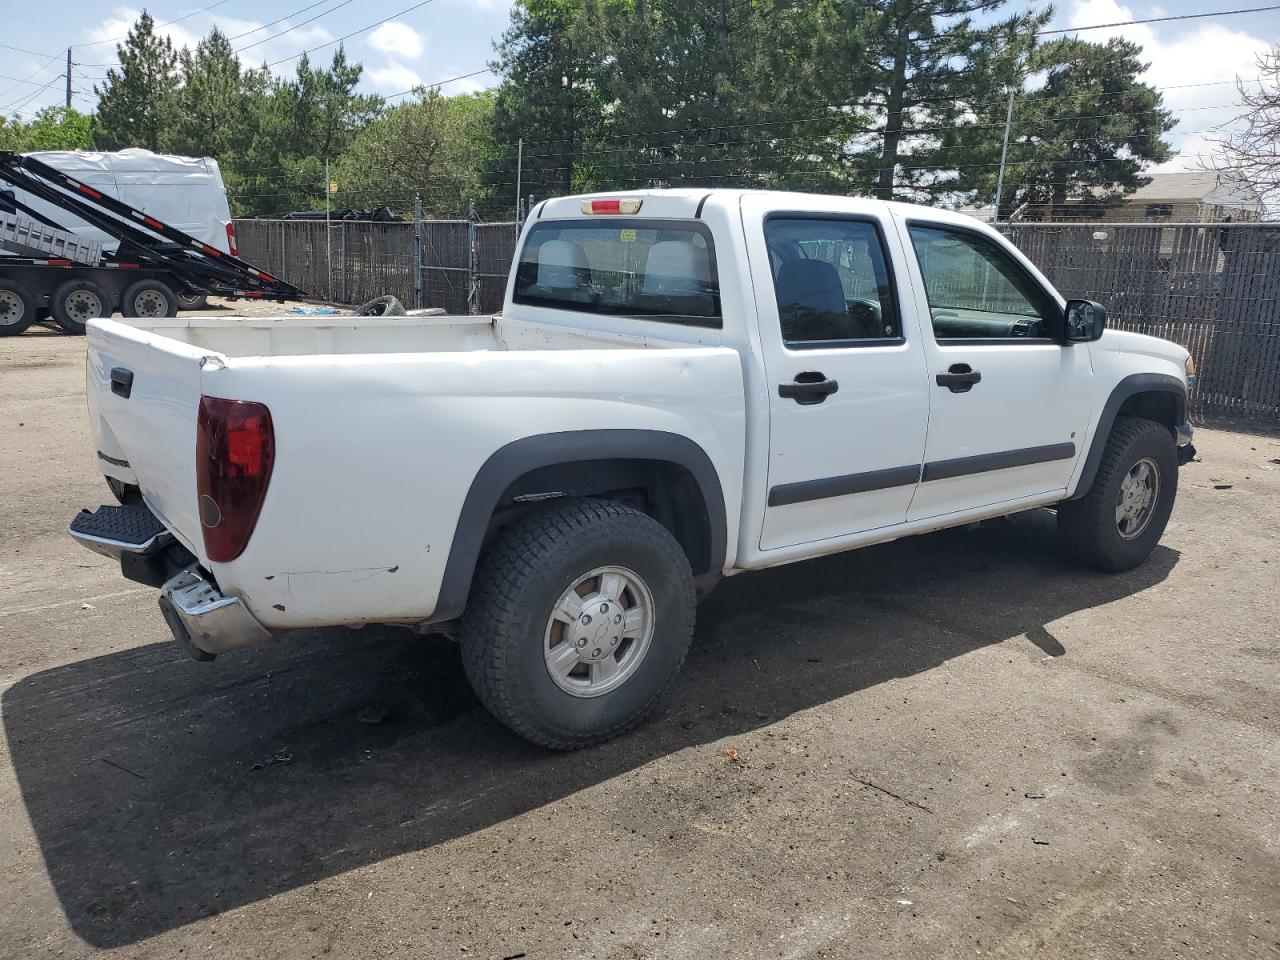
(1133, 384)
(509, 463)
(801, 491)
(983, 462)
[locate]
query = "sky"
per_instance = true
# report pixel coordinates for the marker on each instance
(1193, 62)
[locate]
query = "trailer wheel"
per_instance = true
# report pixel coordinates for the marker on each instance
(193, 301)
(17, 308)
(149, 299)
(76, 302)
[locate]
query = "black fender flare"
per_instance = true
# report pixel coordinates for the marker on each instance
(1133, 384)
(512, 461)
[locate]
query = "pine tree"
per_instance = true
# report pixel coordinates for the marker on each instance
(546, 97)
(137, 105)
(919, 68)
(1084, 134)
(216, 115)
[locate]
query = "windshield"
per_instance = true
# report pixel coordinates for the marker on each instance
(658, 270)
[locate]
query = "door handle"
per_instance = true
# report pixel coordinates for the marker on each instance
(808, 388)
(959, 378)
(121, 382)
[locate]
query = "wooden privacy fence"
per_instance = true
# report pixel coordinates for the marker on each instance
(1214, 288)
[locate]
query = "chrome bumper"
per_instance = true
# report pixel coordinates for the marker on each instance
(203, 620)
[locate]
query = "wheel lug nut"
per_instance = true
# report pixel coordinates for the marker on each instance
(586, 619)
(617, 618)
(604, 608)
(582, 642)
(595, 652)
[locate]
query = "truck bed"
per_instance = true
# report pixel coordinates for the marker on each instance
(311, 336)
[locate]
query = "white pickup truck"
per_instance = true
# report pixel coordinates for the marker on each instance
(681, 385)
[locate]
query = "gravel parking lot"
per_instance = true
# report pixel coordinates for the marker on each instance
(957, 745)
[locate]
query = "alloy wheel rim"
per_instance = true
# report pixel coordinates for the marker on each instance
(599, 632)
(1136, 502)
(150, 303)
(10, 308)
(83, 305)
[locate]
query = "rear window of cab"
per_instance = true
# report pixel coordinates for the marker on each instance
(661, 270)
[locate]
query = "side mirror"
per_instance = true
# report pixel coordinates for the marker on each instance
(1085, 321)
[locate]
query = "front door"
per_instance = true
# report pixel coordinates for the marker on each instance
(1009, 403)
(845, 374)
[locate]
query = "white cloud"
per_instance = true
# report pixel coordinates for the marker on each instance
(114, 28)
(397, 39)
(1182, 58)
(393, 78)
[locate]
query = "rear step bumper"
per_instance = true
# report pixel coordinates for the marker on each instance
(204, 621)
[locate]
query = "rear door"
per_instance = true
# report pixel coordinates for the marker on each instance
(1009, 403)
(144, 396)
(845, 371)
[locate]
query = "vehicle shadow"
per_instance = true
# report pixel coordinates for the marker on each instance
(163, 790)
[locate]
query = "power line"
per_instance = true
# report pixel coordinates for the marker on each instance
(158, 26)
(416, 6)
(310, 6)
(1133, 23)
(322, 13)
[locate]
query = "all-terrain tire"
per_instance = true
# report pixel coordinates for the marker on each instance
(518, 583)
(1088, 530)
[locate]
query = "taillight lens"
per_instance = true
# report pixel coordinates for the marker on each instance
(235, 451)
(231, 240)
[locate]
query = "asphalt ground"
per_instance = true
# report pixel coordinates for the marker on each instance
(957, 745)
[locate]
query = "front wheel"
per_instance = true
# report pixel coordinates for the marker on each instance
(580, 615)
(1117, 524)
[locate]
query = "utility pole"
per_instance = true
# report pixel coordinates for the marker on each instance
(68, 78)
(1004, 149)
(519, 171)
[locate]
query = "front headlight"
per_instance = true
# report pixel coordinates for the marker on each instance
(1191, 372)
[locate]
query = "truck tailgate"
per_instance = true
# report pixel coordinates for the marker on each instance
(144, 424)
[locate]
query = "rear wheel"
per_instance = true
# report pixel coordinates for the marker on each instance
(192, 301)
(1117, 524)
(581, 614)
(17, 308)
(149, 299)
(76, 302)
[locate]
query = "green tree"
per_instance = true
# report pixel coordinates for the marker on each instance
(53, 128)
(433, 147)
(708, 92)
(299, 124)
(138, 105)
(217, 101)
(1084, 134)
(546, 97)
(920, 68)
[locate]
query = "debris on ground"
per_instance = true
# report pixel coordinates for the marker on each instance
(1034, 794)
(282, 757)
(733, 755)
(374, 714)
(1042, 841)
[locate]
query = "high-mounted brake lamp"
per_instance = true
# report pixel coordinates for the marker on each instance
(612, 205)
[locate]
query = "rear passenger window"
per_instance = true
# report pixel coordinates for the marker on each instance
(831, 282)
(650, 269)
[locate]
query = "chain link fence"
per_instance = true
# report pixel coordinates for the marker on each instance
(1214, 288)
(459, 265)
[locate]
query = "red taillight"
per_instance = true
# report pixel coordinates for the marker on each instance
(235, 451)
(231, 240)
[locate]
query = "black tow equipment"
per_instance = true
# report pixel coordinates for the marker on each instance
(144, 240)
